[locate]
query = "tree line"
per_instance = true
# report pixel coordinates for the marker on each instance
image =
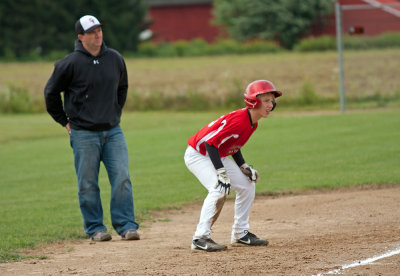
(39, 27)
(30, 28)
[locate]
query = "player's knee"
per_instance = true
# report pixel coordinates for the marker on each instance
(218, 207)
(249, 189)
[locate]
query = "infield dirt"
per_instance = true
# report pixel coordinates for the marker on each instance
(309, 234)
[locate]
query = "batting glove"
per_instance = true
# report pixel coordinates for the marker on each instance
(251, 173)
(224, 183)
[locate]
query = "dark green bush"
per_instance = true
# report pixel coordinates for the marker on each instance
(199, 47)
(259, 46)
(181, 48)
(225, 47)
(147, 49)
(322, 43)
(355, 42)
(166, 49)
(388, 40)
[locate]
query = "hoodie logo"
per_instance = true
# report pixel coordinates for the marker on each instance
(96, 61)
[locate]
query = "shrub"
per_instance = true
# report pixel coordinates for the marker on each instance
(15, 100)
(181, 47)
(322, 43)
(386, 40)
(357, 42)
(199, 47)
(259, 46)
(225, 47)
(166, 49)
(307, 94)
(147, 49)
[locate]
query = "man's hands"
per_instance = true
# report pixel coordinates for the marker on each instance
(68, 127)
(224, 183)
(251, 173)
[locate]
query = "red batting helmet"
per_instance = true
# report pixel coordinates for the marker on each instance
(256, 88)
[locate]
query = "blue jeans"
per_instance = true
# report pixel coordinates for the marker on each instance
(90, 148)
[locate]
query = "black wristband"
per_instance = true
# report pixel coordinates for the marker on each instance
(238, 157)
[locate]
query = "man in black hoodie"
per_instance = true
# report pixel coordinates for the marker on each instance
(94, 81)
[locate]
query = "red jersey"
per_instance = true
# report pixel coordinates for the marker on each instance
(228, 133)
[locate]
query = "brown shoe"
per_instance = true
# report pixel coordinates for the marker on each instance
(101, 236)
(131, 235)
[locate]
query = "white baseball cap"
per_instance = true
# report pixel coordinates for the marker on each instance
(86, 24)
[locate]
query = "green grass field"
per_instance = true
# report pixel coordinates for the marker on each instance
(38, 194)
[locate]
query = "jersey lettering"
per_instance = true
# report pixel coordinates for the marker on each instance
(213, 122)
(225, 139)
(211, 134)
(228, 133)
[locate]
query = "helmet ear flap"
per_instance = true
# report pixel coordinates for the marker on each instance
(273, 105)
(252, 103)
(256, 102)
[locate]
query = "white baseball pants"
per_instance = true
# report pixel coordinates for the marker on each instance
(202, 167)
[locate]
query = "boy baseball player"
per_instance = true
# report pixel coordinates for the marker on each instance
(207, 158)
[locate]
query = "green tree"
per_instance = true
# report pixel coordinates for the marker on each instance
(32, 27)
(123, 20)
(285, 21)
(38, 27)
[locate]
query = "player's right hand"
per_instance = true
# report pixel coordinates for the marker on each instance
(224, 183)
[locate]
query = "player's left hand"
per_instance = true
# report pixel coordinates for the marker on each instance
(251, 173)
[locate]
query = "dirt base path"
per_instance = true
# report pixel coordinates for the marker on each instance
(309, 235)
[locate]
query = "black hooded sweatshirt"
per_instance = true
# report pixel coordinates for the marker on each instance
(94, 89)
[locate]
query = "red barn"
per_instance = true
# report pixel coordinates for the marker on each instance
(182, 20)
(369, 17)
(189, 19)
